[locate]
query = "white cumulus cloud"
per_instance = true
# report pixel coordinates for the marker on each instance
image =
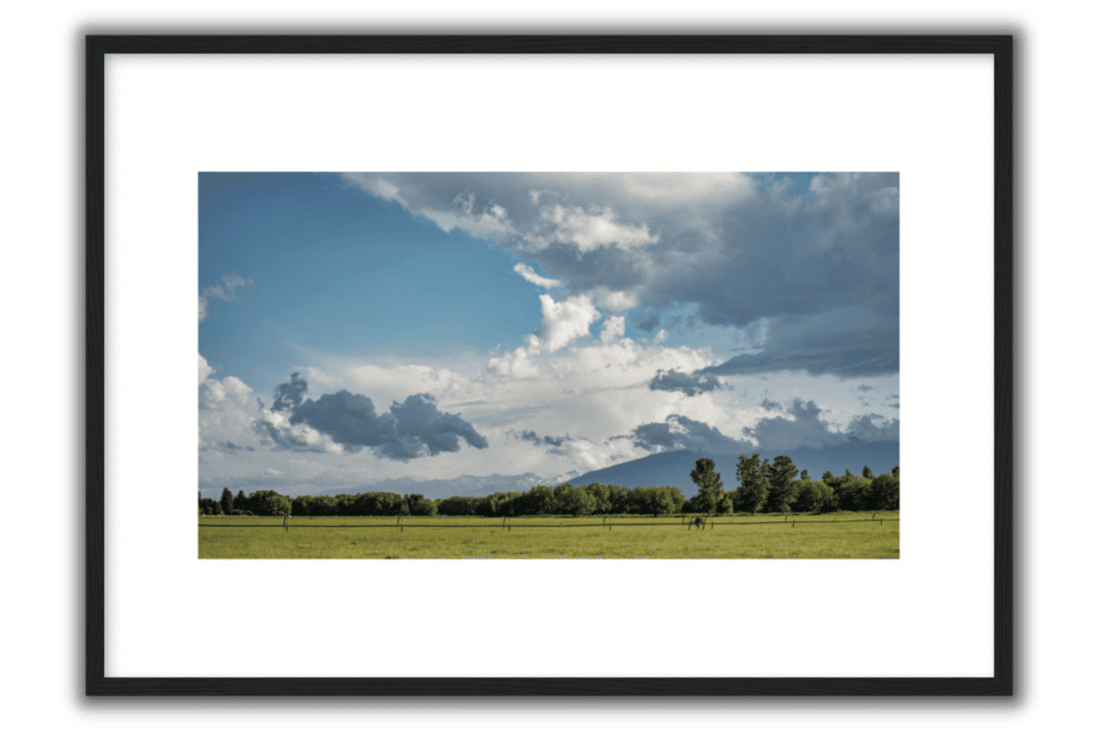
(224, 291)
(562, 322)
(587, 228)
(528, 274)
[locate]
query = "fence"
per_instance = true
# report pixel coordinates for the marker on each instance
(508, 524)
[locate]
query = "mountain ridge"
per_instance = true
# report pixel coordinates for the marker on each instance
(666, 468)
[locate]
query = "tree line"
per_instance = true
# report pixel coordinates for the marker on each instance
(763, 486)
(778, 486)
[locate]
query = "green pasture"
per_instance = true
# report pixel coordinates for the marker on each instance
(840, 535)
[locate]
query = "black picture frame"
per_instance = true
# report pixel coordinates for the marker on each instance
(1010, 698)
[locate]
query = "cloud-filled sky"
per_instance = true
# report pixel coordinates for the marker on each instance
(365, 326)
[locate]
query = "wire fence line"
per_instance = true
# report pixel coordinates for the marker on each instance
(507, 526)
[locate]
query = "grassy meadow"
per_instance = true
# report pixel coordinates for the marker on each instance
(839, 535)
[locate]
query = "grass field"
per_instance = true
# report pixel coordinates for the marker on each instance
(840, 535)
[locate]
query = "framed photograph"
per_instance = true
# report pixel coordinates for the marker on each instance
(549, 365)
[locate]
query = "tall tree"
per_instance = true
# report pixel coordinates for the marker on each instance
(885, 492)
(710, 486)
(753, 489)
(781, 486)
(868, 473)
(227, 501)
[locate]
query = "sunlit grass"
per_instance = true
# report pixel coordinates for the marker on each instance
(738, 536)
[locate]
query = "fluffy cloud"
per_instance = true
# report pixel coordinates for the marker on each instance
(560, 445)
(865, 428)
(531, 276)
(290, 394)
(613, 329)
(227, 411)
(562, 322)
(689, 384)
(224, 291)
(681, 433)
(800, 426)
(514, 365)
(205, 370)
(586, 228)
(346, 421)
(818, 263)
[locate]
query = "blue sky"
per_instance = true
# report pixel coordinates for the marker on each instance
(434, 323)
(335, 271)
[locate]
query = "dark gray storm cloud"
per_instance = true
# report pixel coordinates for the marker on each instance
(847, 342)
(805, 430)
(554, 440)
(815, 259)
(289, 394)
(682, 433)
(863, 428)
(410, 429)
(689, 384)
(800, 427)
(419, 424)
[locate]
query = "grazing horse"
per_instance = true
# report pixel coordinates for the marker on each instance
(698, 522)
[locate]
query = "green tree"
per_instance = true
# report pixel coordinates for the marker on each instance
(609, 499)
(710, 486)
(868, 473)
(459, 506)
(227, 501)
(574, 500)
(885, 490)
(753, 489)
(853, 494)
(781, 485)
(269, 503)
(805, 475)
(419, 506)
(540, 500)
(811, 496)
(656, 501)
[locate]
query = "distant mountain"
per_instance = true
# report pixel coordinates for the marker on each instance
(444, 488)
(672, 468)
